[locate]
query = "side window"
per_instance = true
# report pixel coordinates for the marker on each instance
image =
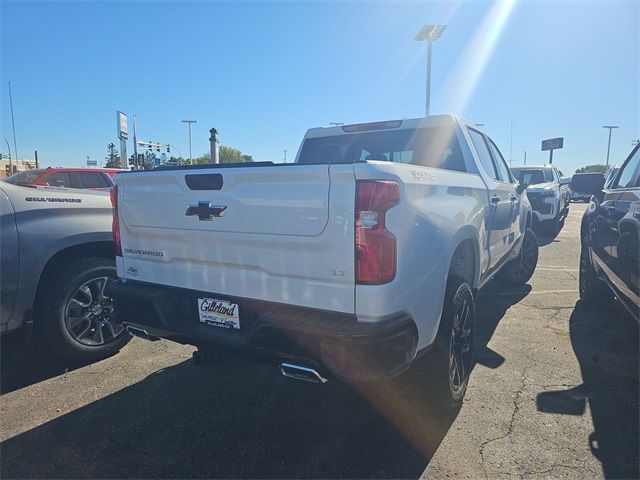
(60, 179)
(503, 170)
(92, 180)
(483, 153)
(626, 176)
(106, 180)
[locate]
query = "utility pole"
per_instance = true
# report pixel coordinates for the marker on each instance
(135, 145)
(610, 127)
(525, 157)
(13, 124)
(285, 155)
(36, 155)
(189, 122)
(213, 143)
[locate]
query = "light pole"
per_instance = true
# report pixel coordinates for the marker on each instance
(189, 122)
(430, 33)
(610, 127)
(135, 145)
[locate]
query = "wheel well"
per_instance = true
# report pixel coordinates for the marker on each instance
(85, 250)
(463, 262)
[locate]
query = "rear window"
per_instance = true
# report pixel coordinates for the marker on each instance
(436, 147)
(587, 182)
(93, 180)
(24, 178)
(532, 176)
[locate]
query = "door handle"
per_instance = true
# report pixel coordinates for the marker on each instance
(514, 198)
(495, 199)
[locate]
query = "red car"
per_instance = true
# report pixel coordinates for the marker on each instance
(66, 177)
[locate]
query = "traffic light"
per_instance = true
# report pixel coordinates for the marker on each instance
(168, 149)
(132, 160)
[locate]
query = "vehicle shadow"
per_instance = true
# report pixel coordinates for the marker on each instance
(606, 346)
(241, 419)
(492, 304)
(544, 237)
(22, 363)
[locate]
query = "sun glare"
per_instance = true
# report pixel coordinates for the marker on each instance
(468, 71)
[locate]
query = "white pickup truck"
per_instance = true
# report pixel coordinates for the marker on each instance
(548, 192)
(364, 254)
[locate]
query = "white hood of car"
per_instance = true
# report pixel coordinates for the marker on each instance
(540, 187)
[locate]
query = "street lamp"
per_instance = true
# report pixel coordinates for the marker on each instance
(430, 33)
(189, 122)
(610, 127)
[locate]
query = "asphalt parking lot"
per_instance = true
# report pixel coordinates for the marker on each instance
(554, 395)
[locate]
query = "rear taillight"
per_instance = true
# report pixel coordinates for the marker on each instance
(115, 225)
(375, 246)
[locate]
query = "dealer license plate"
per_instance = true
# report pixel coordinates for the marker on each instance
(219, 313)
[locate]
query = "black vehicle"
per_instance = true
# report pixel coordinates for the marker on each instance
(584, 184)
(610, 234)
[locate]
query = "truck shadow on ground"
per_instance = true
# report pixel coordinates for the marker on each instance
(545, 238)
(22, 363)
(606, 346)
(241, 419)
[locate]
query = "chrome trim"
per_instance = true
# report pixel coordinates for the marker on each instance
(301, 373)
(617, 281)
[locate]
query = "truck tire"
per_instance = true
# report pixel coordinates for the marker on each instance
(73, 318)
(593, 291)
(519, 270)
(450, 360)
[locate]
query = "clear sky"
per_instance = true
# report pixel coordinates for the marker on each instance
(262, 73)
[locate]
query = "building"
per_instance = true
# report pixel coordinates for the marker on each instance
(18, 166)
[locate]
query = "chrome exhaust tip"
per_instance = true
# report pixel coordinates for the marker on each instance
(140, 333)
(301, 373)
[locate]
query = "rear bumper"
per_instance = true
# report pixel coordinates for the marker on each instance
(333, 343)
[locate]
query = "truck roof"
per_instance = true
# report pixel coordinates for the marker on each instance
(431, 121)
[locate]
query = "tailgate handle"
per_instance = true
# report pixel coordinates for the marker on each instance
(204, 181)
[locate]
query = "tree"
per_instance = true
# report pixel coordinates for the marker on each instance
(113, 157)
(149, 160)
(598, 168)
(225, 155)
(202, 159)
(232, 155)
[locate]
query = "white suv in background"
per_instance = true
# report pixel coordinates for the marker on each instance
(548, 193)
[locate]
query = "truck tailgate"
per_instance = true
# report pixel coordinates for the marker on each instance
(281, 233)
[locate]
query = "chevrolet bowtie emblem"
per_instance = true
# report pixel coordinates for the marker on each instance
(205, 210)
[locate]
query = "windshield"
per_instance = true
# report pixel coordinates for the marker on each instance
(587, 183)
(24, 178)
(430, 147)
(532, 176)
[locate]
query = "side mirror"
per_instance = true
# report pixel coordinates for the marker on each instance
(521, 187)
